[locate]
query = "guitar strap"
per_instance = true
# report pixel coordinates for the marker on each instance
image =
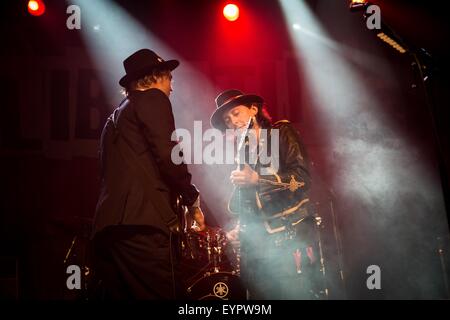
(274, 221)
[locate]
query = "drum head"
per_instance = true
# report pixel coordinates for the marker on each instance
(217, 286)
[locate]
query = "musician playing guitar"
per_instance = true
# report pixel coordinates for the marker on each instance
(270, 199)
(135, 223)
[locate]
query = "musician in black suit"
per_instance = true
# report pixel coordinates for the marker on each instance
(275, 227)
(141, 188)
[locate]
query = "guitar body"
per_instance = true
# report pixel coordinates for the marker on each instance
(279, 205)
(277, 209)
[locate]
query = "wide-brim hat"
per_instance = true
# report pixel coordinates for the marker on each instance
(143, 62)
(228, 100)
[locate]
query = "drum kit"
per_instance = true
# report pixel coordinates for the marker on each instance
(211, 259)
(217, 261)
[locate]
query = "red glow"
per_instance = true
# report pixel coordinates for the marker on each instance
(36, 7)
(231, 12)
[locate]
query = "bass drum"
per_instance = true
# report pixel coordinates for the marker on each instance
(217, 286)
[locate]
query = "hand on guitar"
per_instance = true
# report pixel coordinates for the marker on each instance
(244, 177)
(198, 223)
(233, 234)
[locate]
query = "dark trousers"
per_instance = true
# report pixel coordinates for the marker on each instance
(277, 276)
(134, 262)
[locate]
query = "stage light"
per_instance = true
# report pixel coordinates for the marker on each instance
(384, 33)
(36, 7)
(231, 12)
(394, 44)
(358, 5)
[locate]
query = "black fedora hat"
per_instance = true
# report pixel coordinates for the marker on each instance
(143, 62)
(228, 100)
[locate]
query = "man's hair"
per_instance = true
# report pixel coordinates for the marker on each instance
(146, 80)
(263, 117)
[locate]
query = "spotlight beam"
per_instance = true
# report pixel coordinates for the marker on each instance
(373, 173)
(111, 34)
(425, 66)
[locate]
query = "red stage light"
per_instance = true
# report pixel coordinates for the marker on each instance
(36, 7)
(231, 12)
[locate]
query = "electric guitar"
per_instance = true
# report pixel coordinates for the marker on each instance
(278, 203)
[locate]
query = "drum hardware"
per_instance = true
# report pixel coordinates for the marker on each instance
(219, 275)
(78, 252)
(209, 249)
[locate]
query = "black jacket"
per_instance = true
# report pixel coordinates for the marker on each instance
(145, 122)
